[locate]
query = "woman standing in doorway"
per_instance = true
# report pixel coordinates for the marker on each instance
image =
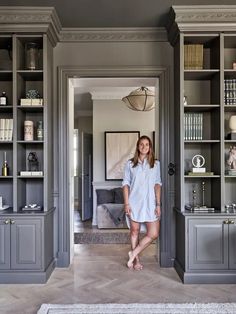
(142, 198)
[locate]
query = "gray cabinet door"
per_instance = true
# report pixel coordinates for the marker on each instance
(4, 244)
(207, 244)
(26, 244)
(232, 246)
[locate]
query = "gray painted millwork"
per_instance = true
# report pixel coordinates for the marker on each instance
(64, 73)
(26, 248)
(208, 253)
(27, 244)
(205, 242)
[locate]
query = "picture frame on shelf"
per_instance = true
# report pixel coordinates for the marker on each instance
(119, 147)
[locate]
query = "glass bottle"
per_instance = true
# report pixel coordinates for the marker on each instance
(5, 168)
(40, 130)
(31, 56)
(3, 99)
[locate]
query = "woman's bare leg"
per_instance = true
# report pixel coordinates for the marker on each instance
(152, 234)
(134, 239)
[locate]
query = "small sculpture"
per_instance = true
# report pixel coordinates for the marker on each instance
(33, 163)
(232, 157)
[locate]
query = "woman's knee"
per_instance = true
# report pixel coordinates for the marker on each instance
(134, 232)
(153, 234)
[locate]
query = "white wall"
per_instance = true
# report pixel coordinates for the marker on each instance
(114, 115)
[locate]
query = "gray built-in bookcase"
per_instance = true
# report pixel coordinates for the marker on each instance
(205, 240)
(26, 246)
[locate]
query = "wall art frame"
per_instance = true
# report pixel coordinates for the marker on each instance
(119, 147)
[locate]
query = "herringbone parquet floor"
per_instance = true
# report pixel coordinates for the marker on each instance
(98, 275)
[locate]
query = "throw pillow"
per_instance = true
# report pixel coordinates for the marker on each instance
(104, 196)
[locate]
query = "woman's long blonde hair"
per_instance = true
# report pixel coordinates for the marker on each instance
(150, 154)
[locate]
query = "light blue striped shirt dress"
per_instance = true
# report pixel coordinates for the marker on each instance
(141, 181)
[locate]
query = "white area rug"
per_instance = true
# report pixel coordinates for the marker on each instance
(135, 308)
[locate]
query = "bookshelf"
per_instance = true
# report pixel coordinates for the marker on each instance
(205, 93)
(26, 248)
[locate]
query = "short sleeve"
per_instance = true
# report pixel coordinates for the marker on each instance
(127, 174)
(158, 173)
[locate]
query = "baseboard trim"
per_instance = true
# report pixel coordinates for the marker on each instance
(206, 277)
(26, 276)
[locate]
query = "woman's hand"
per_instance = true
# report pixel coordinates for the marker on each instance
(158, 211)
(127, 209)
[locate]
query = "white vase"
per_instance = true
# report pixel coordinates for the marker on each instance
(232, 124)
(28, 130)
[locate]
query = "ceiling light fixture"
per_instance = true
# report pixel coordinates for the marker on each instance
(141, 99)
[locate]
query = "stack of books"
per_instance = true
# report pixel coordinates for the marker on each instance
(193, 57)
(193, 126)
(232, 172)
(6, 129)
(230, 91)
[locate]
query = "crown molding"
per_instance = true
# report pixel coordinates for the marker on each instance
(199, 18)
(20, 19)
(113, 34)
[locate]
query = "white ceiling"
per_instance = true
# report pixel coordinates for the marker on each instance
(86, 89)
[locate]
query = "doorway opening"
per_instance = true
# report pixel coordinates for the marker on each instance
(64, 199)
(98, 108)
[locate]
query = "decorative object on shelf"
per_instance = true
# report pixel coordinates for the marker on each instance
(5, 168)
(234, 65)
(33, 163)
(32, 98)
(28, 130)
(231, 161)
(185, 100)
(3, 99)
(32, 94)
(232, 126)
(3, 207)
(199, 208)
(141, 99)
(31, 56)
(198, 161)
(230, 208)
(39, 132)
(32, 207)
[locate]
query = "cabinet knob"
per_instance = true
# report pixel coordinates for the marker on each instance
(226, 222)
(7, 221)
(12, 222)
(231, 221)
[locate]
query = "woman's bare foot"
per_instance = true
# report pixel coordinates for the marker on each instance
(130, 263)
(137, 264)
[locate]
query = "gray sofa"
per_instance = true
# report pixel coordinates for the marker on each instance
(110, 209)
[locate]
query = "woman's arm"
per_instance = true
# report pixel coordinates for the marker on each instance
(126, 199)
(157, 189)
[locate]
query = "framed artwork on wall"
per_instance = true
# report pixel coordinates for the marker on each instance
(119, 147)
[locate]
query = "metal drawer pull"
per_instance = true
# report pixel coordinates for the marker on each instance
(12, 222)
(226, 222)
(7, 221)
(231, 222)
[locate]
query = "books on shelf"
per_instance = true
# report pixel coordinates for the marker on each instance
(31, 173)
(199, 208)
(193, 57)
(230, 91)
(6, 129)
(193, 126)
(207, 173)
(31, 102)
(232, 172)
